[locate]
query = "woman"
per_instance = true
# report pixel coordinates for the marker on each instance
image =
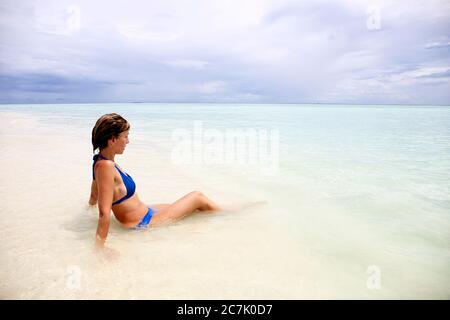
(113, 189)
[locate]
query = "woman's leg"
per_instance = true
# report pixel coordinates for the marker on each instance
(159, 206)
(188, 204)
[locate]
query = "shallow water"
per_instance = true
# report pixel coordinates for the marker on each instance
(356, 203)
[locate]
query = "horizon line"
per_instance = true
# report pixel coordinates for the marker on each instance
(259, 103)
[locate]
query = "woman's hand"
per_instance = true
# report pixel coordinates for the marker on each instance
(108, 253)
(92, 201)
(92, 208)
(105, 252)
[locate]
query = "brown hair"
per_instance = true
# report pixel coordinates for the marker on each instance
(108, 126)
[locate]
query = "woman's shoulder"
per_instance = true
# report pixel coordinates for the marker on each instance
(104, 166)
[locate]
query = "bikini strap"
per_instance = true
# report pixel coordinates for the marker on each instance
(95, 158)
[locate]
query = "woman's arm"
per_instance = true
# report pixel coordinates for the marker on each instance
(94, 194)
(105, 182)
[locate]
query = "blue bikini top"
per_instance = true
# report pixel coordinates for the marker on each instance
(127, 180)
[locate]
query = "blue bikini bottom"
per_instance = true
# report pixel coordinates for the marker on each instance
(145, 222)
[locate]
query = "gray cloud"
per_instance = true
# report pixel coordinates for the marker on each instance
(443, 74)
(438, 45)
(257, 51)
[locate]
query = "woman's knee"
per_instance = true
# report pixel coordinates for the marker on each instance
(197, 194)
(200, 199)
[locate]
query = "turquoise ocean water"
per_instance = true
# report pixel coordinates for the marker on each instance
(360, 194)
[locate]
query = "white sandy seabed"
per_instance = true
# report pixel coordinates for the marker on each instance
(294, 246)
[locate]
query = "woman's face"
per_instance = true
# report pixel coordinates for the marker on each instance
(122, 141)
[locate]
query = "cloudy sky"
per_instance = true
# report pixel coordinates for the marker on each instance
(252, 51)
